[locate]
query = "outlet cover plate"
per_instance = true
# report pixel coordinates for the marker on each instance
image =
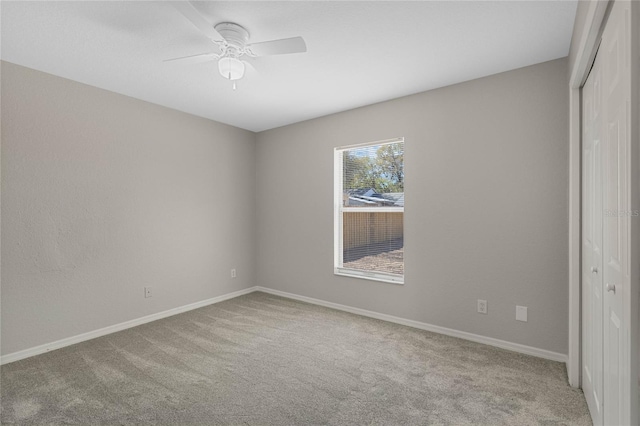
(482, 306)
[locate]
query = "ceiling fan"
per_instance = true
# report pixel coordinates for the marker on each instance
(232, 42)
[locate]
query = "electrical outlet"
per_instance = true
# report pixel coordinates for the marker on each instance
(521, 313)
(482, 306)
(147, 292)
(233, 273)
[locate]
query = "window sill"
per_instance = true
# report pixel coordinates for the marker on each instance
(391, 279)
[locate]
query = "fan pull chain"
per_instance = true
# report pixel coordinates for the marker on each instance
(234, 83)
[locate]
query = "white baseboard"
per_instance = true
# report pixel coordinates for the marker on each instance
(37, 350)
(515, 347)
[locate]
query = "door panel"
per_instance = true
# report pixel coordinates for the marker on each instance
(606, 209)
(616, 99)
(592, 206)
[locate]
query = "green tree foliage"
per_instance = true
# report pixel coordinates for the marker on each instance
(384, 171)
(390, 166)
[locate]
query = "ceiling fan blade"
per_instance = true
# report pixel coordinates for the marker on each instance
(250, 65)
(278, 47)
(195, 59)
(192, 14)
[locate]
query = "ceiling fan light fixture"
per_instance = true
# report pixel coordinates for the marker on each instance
(231, 68)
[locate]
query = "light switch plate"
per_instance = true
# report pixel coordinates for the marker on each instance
(521, 313)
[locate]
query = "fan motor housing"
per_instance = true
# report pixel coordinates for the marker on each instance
(235, 35)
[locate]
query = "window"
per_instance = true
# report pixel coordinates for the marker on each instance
(369, 211)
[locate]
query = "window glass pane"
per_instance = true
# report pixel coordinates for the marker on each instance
(373, 241)
(373, 176)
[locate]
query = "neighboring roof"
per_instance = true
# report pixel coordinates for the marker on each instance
(362, 201)
(397, 197)
(360, 191)
(368, 196)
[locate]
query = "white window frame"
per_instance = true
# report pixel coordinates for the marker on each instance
(338, 209)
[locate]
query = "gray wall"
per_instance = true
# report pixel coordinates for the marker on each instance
(486, 205)
(104, 194)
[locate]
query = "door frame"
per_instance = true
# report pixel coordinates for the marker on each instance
(632, 302)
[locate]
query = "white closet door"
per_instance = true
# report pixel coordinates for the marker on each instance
(592, 243)
(616, 101)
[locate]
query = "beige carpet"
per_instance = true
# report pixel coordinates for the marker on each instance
(264, 360)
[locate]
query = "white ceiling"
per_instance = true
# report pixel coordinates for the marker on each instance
(359, 52)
